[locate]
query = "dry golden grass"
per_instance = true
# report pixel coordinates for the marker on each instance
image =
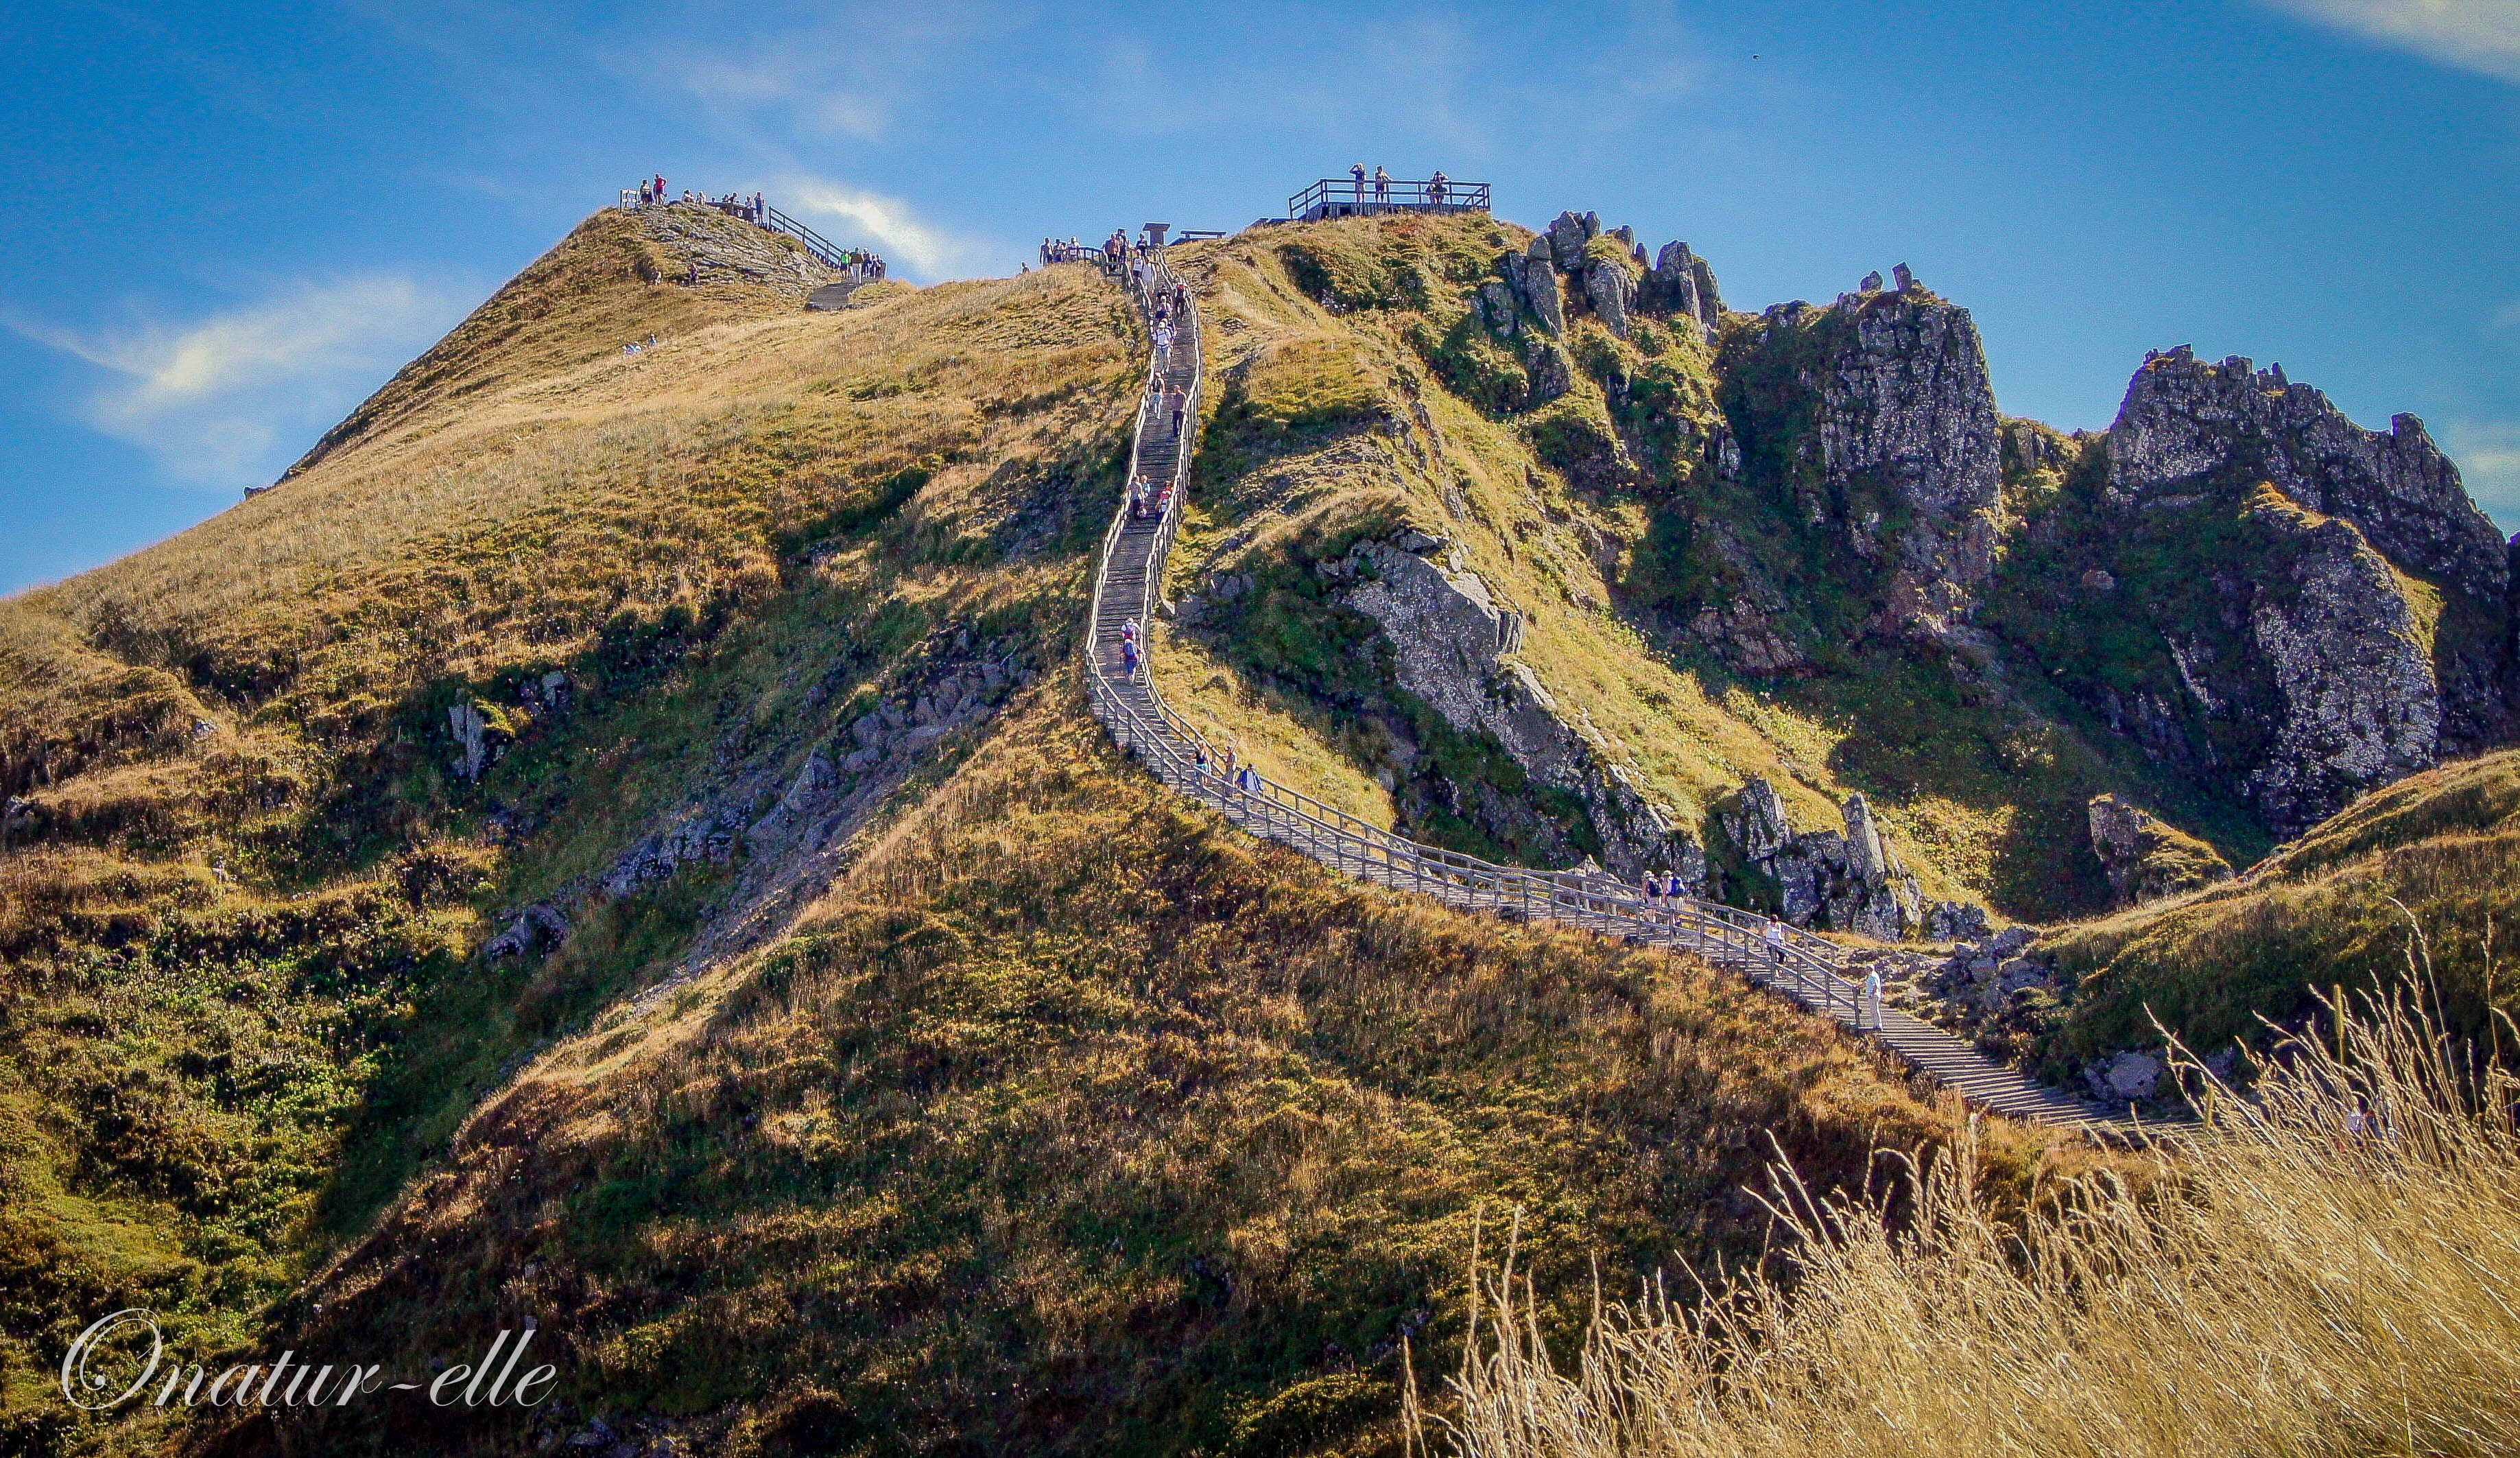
(1070, 1093)
(2334, 907)
(2287, 1287)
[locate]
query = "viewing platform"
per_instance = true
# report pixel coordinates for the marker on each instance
(1345, 197)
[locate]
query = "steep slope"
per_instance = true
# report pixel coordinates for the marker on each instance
(2412, 883)
(1474, 557)
(273, 783)
(612, 838)
(1073, 1122)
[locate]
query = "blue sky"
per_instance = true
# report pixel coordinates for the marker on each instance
(232, 222)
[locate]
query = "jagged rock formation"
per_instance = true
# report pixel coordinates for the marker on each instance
(1449, 638)
(1873, 414)
(1608, 273)
(2146, 858)
(2190, 433)
(2359, 704)
(2294, 609)
(1848, 880)
(1683, 285)
(2187, 426)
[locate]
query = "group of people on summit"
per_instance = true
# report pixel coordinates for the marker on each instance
(864, 263)
(1439, 188)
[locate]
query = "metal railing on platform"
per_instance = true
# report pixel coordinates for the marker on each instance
(1173, 750)
(1345, 197)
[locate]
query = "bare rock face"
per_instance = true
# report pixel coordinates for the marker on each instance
(2146, 859)
(1568, 234)
(2360, 708)
(1611, 290)
(1533, 276)
(1848, 880)
(2185, 422)
(1895, 454)
(2190, 433)
(1908, 401)
(1449, 638)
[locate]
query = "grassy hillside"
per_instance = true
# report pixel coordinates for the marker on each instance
(879, 1080)
(2411, 884)
(2337, 1296)
(1070, 1121)
(240, 907)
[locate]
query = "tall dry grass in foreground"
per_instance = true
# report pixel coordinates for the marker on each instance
(2284, 1288)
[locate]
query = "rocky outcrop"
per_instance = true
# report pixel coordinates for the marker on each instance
(1683, 286)
(483, 729)
(1883, 427)
(536, 928)
(2144, 857)
(1533, 276)
(1953, 921)
(2187, 426)
(1568, 261)
(1450, 638)
(1611, 290)
(2191, 434)
(2359, 704)
(1841, 881)
(481, 736)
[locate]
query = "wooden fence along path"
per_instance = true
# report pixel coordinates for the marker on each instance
(1806, 969)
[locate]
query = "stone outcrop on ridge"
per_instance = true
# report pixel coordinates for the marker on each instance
(2186, 425)
(1838, 881)
(1611, 281)
(1895, 447)
(2146, 859)
(1450, 640)
(2190, 434)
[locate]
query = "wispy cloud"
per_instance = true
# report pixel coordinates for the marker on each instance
(888, 222)
(217, 401)
(2478, 35)
(804, 93)
(2488, 453)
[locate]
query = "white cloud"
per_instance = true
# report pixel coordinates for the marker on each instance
(886, 223)
(218, 401)
(2488, 453)
(2478, 35)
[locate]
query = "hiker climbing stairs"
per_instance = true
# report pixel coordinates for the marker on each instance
(1128, 578)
